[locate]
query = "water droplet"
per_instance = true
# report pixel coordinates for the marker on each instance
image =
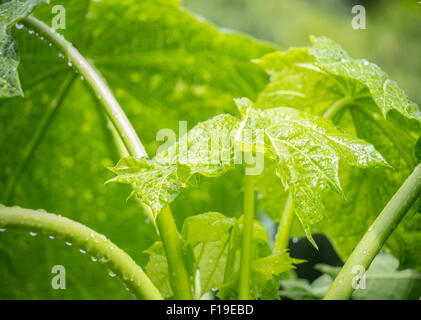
(82, 78)
(68, 243)
(111, 274)
(82, 251)
(60, 55)
(32, 234)
(51, 237)
(50, 44)
(93, 259)
(70, 64)
(365, 252)
(31, 31)
(3, 229)
(19, 26)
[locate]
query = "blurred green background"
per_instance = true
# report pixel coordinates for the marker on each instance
(391, 38)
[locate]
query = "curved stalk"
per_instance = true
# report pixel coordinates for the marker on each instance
(247, 239)
(85, 239)
(376, 236)
(179, 277)
(96, 82)
(336, 107)
(284, 229)
(118, 118)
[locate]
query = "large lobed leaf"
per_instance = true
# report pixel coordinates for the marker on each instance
(11, 12)
(206, 150)
(322, 79)
(159, 75)
(306, 150)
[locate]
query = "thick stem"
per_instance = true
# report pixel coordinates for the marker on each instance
(284, 229)
(247, 241)
(86, 239)
(376, 236)
(179, 277)
(96, 82)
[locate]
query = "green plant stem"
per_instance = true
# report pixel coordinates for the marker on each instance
(36, 138)
(335, 108)
(179, 277)
(376, 236)
(284, 229)
(122, 125)
(247, 241)
(96, 82)
(86, 239)
(231, 253)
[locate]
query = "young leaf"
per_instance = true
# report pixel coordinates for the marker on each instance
(206, 150)
(306, 150)
(11, 12)
(385, 92)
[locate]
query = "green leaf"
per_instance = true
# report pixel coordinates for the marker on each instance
(206, 150)
(10, 13)
(324, 80)
(387, 95)
(157, 269)
(385, 282)
(306, 150)
(159, 76)
(211, 250)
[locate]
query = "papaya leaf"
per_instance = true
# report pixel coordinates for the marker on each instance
(206, 150)
(306, 150)
(10, 13)
(211, 250)
(360, 98)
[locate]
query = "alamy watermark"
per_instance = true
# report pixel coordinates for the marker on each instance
(358, 281)
(59, 280)
(359, 20)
